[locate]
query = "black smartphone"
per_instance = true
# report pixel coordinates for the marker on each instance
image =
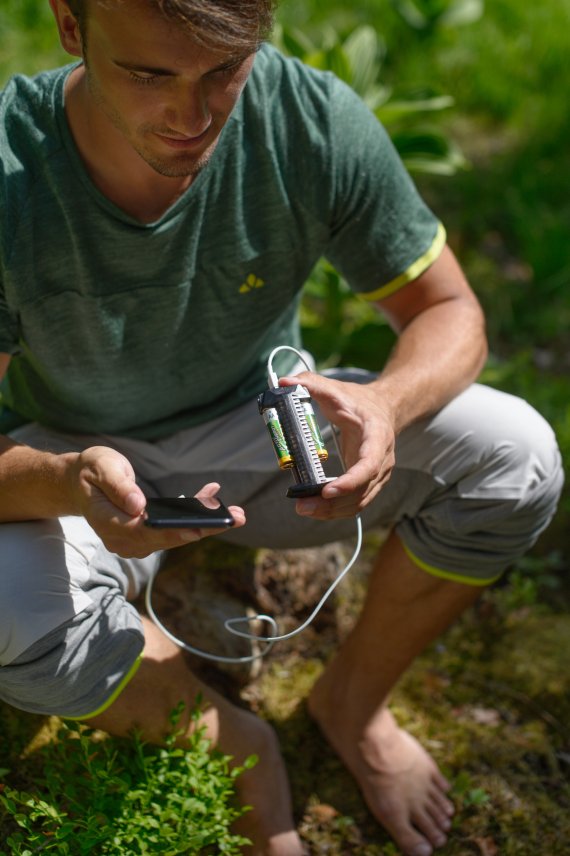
(186, 513)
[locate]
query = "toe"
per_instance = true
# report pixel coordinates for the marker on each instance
(441, 811)
(408, 838)
(444, 805)
(441, 781)
(427, 824)
(416, 846)
(423, 849)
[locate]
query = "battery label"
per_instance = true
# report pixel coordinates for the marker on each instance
(315, 431)
(271, 419)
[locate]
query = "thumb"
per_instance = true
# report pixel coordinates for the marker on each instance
(113, 475)
(124, 493)
(134, 501)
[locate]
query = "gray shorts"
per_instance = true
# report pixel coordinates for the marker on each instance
(472, 489)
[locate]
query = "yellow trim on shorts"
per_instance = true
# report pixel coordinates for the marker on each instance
(417, 268)
(448, 575)
(114, 696)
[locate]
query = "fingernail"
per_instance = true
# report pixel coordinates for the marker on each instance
(133, 503)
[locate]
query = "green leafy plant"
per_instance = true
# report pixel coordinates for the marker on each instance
(337, 328)
(357, 59)
(127, 797)
(29, 38)
(533, 581)
(428, 14)
(465, 792)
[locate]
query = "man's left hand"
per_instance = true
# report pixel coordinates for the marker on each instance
(366, 440)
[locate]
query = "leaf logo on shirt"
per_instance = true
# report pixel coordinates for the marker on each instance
(251, 282)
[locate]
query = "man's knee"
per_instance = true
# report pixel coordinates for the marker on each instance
(507, 451)
(78, 668)
(525, 468)
(500, 476)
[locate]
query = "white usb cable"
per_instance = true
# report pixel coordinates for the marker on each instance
(231, 624)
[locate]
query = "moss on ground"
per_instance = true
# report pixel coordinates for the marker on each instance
(490, 700)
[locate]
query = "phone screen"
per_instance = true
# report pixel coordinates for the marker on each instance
(186, 513)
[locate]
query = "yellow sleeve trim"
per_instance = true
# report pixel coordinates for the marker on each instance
(417, 268)
(448, 575)
(114, 696)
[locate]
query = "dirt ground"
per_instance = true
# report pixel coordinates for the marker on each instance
(490, 700)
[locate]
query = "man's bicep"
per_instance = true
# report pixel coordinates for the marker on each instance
(4, 363)
(443, 280)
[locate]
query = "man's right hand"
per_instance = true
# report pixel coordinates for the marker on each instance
(105, 492)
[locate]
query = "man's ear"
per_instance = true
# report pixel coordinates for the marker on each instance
(68, 27)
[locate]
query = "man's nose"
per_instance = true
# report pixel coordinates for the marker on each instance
(189, 114)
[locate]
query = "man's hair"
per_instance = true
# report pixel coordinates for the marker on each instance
(239, 25)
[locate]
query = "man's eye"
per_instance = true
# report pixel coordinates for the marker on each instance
(143, 78)
(229, 70)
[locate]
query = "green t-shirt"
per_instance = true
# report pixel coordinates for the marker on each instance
(144, 329)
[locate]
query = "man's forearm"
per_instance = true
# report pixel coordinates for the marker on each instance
(33, 484)
(438, 354)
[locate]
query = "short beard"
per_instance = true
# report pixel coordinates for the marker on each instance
(175, 169)
(183, 167)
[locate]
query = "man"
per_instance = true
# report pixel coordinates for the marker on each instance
(163, 202)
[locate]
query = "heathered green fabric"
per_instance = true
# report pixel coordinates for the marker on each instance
(119, 327)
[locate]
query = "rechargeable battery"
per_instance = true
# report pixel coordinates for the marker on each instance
(271, 419)
(315, 431)
(296, 437)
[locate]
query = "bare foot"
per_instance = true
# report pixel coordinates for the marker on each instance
(400, 782)
(269, 824)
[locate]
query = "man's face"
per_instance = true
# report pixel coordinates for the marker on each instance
(169, 97)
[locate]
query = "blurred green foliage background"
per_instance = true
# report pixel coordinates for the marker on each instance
(474, 95)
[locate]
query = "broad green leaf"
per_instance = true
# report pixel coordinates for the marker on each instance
(411, 14)
(393, 111)
(362, 49)
(431, 166)
(293, 42)
(428, 151)
(463, 12)
(376, 95)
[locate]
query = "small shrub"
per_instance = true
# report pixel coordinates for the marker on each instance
(127, 797)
